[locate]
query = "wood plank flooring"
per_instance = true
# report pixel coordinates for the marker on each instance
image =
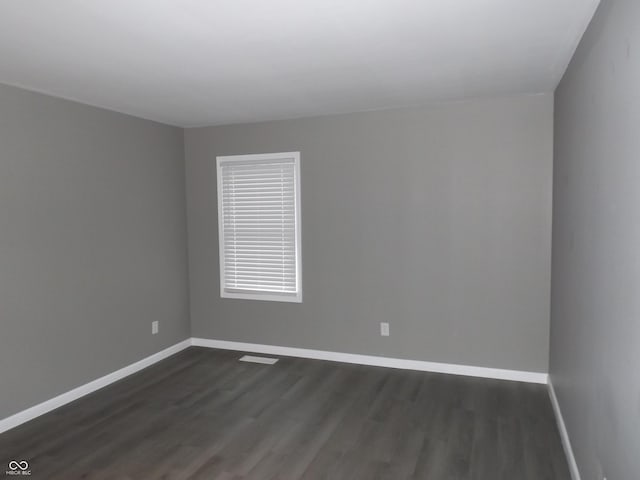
(202, 414)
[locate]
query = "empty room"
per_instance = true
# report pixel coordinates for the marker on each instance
(320, 239)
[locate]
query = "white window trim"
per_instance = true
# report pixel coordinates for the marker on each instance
(297, 298)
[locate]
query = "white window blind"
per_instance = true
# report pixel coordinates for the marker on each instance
(258, 219)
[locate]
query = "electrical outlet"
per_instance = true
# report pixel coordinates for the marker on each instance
(154, 327)
(384, 329)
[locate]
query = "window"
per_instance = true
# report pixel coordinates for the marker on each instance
(259, 226)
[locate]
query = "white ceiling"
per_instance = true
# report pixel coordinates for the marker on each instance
(206, 62)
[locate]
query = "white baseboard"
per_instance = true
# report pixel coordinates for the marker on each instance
(53, 403)
(467, 370)
(564, 435)
(471, 371)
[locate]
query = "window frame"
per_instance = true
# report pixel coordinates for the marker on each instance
(253, 294)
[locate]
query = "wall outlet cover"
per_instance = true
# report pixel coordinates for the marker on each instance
(384, 329)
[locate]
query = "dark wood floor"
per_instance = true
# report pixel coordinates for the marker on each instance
(201, 414)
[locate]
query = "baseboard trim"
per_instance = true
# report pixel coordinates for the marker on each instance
(564, 435)
(372, 360)
(466, 370)
(78, 392)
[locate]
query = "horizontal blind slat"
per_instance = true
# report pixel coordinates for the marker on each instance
(248, 282)
(257, 270)
(249, 263)
(238, 276)
(251, 284)
(256, 258)
(274, 178)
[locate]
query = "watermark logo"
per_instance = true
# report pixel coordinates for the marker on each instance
(18, 468)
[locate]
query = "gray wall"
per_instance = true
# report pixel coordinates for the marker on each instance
(595, 326)
(437, 220)
(92, 244)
